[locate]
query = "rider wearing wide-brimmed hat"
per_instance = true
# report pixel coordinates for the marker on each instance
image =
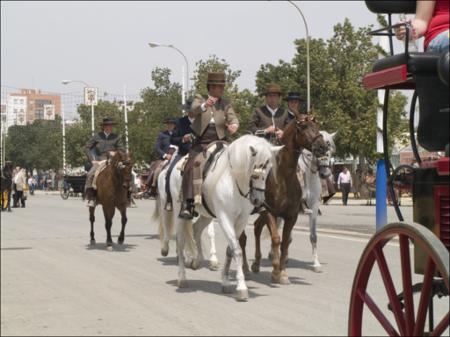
(293, 99)
(270, 120)
(215, 119)
(98, 148)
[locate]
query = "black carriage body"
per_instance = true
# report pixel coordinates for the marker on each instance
(76, 183)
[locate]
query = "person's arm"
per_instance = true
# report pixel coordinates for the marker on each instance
(231, 119)
(424, 14)
(89, 145)
(158, 146)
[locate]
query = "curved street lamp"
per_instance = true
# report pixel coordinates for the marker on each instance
(65, 82)
(155, 45)
(308, 101)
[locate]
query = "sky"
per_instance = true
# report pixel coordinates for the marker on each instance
(106, 43)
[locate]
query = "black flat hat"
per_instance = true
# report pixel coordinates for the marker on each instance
(293, 95)
(108, 121)
(170, 120)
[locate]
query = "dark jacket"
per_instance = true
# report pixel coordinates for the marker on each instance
(262, 119)
(183, 128)
(97, 147)
(163, 143)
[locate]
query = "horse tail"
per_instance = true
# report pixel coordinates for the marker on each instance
(156, 216)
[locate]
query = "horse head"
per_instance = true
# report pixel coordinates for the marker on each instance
(303, 133)
(324, 163)
(122, 164)
(251, 159)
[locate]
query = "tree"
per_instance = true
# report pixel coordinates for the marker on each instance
(37, 145)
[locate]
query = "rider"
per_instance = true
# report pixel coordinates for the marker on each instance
(270, 120)
(214, 118)
(182, 137)
(164, 151)
(98, 148)
(293, 100)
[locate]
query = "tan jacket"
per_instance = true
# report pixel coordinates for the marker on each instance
(222, 112)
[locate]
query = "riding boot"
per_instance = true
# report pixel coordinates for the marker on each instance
(187, 210)
(90, 197)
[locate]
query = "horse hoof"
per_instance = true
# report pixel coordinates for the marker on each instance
(228, 289)
(164, 252)
(214, 265)
(242, 295)
(255, 267)
(284, 279)
(120, 242)
(183, 284)
(92, 242)
(247, 275)
(195, 264)
(317, 269)
(109, 248)
(276, 278)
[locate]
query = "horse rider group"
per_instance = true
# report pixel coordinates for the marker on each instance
(208, 120)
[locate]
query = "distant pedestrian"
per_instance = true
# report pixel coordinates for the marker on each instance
(345, 184)
(20, 180)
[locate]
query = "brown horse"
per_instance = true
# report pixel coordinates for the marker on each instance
(283, 194)
(113, 184)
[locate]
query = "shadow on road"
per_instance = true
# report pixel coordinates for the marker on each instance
(152, 237)
(265, 277)
(124, 248)
(292, 263)
(168, 261)
(16, 248)
(210, 287)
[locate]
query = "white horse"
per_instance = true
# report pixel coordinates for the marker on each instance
(231, 189)
(313, 189)
(166, 220)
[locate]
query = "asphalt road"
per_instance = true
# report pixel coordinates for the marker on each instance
(54, 283)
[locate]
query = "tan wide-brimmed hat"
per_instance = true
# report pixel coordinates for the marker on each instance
(216, 78)
(272, 88)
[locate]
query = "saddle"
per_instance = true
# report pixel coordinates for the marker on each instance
(203, 163)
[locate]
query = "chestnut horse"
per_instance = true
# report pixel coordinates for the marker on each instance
(283, 193)
(113, 184)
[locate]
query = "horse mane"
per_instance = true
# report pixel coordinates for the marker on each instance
(241, 158)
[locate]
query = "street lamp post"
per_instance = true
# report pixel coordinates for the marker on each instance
(64, 139)
(308, 101)
(155, 45)
(92, 103)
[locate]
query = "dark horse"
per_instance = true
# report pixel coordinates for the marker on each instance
(7, 172)
(283, 194)
(113, 183)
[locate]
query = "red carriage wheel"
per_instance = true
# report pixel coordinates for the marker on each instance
(408, 321)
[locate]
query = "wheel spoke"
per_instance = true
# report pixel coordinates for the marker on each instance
(390, 289)
(440, 328)
(424, 297)
(407, 284)
(378, 314)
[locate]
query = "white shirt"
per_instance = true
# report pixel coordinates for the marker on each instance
(344, 178)
(272, 111)
(106, 134)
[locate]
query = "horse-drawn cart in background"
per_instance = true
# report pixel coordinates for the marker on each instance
(428, 238)
(73, 186)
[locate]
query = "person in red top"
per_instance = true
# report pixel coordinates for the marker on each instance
(432, 22)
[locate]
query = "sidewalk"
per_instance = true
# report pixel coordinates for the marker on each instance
(337, 200)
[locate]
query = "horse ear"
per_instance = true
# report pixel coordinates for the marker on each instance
(253, 151)
(276, 149)
(334, 134)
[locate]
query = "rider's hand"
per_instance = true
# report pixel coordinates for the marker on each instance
(94, 162)
(270, 129)
(232, 128)
(112, 153)
(187, 138)
(279, 133)
(168, 156)
(210, 101)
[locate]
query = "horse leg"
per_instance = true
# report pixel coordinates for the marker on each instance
(258, 227)
(276, 240)
(123, 213)
(199, 227)
(9, 199)
(213, 261)
(92, 220)
(313, 237)
(243, 243)
(109, 214)
(230, 232)
(180, 237)
(287, 230)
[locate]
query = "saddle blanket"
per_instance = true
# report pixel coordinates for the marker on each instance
(101, 166)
